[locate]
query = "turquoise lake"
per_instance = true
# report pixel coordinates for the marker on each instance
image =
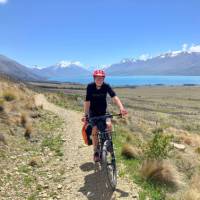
(137, 80)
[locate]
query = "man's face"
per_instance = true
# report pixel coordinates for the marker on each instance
(99, 81)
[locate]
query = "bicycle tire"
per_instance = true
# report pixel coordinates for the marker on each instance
(109, 166)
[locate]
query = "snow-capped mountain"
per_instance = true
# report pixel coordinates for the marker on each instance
(63, 69)
(183, 62)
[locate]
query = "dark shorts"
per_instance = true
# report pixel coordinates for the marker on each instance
(100, 124)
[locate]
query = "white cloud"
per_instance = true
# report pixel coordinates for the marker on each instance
(3, 1)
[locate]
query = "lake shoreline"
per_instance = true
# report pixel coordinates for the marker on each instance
(70, 85)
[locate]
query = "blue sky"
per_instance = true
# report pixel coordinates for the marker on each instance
(95, 32)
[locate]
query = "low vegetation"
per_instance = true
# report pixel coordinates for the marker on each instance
(9, 96)
(69, 101)
(129, 151)
(29, 145)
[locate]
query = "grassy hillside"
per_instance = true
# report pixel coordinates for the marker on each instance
(30, 148)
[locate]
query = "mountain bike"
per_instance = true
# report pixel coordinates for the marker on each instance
(105, 147)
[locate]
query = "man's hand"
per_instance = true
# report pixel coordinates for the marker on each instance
(117, 101)
(84, 118)
(123, 111)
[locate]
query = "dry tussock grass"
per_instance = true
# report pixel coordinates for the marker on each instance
(30, 104)
(28, 130)
(185, 137)
(3, 139)
(130, 151)
(1, 104)
(14, 120)
(24, 118)
(17, 103)
(191, 194)
(193, 191)
(129, 138)
(161, 171)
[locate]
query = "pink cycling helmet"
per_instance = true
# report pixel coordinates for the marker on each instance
(99, 73)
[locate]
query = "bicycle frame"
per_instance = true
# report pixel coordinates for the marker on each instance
(103, 134)
(107, 155)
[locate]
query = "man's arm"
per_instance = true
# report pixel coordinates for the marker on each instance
(86, 107)
(86, 111)
(118, 102)
(87, 100)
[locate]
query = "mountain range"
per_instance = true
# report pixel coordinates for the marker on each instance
(62, 69)
(16, 70)
(171, 63)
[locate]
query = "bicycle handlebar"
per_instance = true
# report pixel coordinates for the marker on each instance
(104, 116)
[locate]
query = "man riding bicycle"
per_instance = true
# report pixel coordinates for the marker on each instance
(95, 105)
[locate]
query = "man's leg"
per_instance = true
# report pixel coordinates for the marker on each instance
(109, 125)
(95, 144)
(109, 129)
(94, 137)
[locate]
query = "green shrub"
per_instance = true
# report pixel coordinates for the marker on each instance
(198, 150)
(1, 105)
(159, 146)
(9, 96)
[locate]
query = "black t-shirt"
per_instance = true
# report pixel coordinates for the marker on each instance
(97, 98)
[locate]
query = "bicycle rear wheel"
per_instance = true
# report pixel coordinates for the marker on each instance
(109, 164)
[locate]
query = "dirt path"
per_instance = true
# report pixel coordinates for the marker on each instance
(83, 179)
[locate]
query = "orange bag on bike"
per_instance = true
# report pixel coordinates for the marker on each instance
(86, 133)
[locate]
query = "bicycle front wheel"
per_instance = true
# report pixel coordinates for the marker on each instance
(109, 164)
